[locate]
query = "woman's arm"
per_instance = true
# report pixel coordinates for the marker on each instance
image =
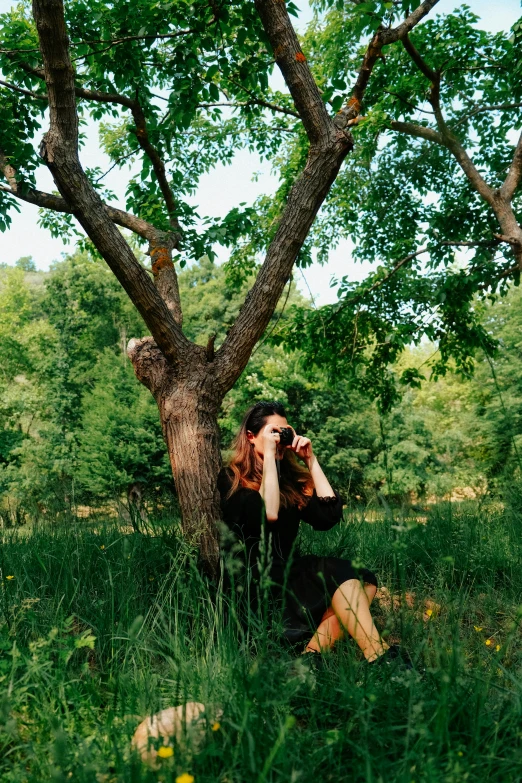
(321, 483)
(269, 489)
(303, 447)
(325, 507)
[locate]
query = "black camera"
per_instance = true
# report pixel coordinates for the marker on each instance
(286, 436)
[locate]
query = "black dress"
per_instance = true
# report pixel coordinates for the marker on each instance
(307, 583)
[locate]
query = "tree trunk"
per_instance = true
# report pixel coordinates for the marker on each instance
(188, 399)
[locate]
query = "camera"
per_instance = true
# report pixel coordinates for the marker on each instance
(286, 436)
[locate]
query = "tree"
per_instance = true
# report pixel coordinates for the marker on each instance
(435, 171)
(187, 58)
(26, 263)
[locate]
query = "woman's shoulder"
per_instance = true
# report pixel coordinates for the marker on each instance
(225, 482)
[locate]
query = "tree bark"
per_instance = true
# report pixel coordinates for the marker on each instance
(188, 399)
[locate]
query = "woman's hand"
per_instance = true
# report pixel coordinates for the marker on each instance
(303, 448)
(269, 488)
(270, 438)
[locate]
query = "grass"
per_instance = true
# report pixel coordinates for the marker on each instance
(99, 628)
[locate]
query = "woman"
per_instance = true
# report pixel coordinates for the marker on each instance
(265, 491)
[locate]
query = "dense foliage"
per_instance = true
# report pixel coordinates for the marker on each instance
(407, 198)
(179, 60)
(76, 426)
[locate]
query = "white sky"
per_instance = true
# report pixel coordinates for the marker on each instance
(223, 188)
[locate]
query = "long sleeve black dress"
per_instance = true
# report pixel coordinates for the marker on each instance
(307, 582)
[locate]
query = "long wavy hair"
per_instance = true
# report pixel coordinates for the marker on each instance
(295, 482)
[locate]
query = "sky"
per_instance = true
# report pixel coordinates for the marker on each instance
(218, 191)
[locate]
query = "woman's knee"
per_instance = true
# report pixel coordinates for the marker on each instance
(347, 591)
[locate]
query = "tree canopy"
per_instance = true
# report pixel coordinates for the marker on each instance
(434, 170)
(430, 193)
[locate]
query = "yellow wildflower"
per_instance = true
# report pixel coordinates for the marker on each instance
(165, 752)
(216, 726)
(185, 778)
(10, 576)
(477, 628)
(429, 612)
(488, 642)
(497, 648)
(102, 547)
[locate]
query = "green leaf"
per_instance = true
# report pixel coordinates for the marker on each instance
(211, 72)
(337, 102)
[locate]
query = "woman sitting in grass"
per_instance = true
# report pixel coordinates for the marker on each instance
(325, 596)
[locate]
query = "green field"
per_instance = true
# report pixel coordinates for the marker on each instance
(101, 626)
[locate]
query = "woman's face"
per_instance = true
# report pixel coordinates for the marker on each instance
(274, 421)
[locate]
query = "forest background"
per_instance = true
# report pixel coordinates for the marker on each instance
(78, 429)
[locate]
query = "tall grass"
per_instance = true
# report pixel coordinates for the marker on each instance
(100, 627)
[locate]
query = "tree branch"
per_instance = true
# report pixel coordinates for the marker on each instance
(38, 72)
(260, 101)
(513, 176)
(383, 37)
(330, 142)
(160, 243)
(124, 39)
(80, 92)
(253, 102)
(505, 273)
(60, 151)
(412, 129)
(304, 201)
(141, 135)
(58, 204)
(428, 72)
(165, 277)
(450, 139)
(295, 70)
(104, 97)
(157, 164)
(20, 90)
(460, 154)
(408, 103)
(378, 283)
(479, 109)
(492, 243)
(111, 41)
(391, 35)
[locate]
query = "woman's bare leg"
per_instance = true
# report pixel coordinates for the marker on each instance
(330, 629)
(350, 611)
(328, 632)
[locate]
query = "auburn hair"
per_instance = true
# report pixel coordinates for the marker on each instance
(296, 485)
